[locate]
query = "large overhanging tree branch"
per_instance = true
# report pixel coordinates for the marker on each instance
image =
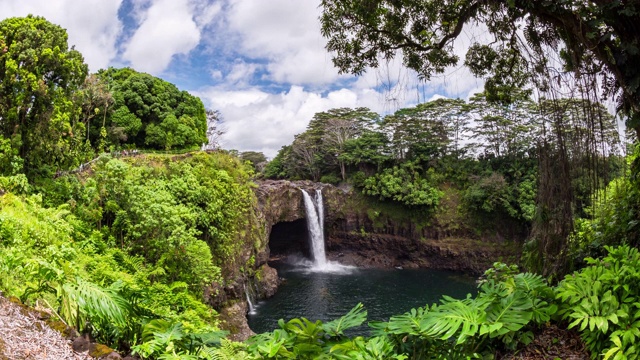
(590, 36)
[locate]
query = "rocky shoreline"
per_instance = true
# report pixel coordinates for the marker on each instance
(465, 255)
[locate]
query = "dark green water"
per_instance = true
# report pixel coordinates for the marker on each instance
(329, 295)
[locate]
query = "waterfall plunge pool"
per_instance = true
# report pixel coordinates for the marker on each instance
(318, 295)
(318, 289)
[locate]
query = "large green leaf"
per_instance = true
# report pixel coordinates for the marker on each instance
(355, 317)
(510, 313)
(85, 299)
(409, 323)
(459, 318)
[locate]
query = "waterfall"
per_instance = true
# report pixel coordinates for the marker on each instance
(252, 308)
(320, 207)
(315, 223)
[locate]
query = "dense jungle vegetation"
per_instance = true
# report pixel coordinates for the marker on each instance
(126, 248)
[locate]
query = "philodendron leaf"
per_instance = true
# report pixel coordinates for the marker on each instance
(355, 317)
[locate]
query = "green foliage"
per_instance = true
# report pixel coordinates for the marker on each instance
(330, 179)
(504, 312)
(276, 168)
(82, 302)
(602, 302)
(423, 33)
(181, 216)
(150, 112)
(405, 185)
(38, 75)
(303, 339)
(611, 220)
(491, 194)
(508, 307)
(167, 340)
(134, 243)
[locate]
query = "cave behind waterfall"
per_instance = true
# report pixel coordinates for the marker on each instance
(289, 238)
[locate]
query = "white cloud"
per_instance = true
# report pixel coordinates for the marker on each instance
(92, 25)
(168, 28)
(240, 73)
(260, 121)
(287, 34)
(205, 12)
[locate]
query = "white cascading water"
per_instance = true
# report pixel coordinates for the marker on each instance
(320, 208)
(315, 223)
(252, 308)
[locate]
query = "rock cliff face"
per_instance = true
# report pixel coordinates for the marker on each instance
(353, 237)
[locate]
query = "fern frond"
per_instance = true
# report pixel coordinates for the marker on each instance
(228, 350)
(95, 302)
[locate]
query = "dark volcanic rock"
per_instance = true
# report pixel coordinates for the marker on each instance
(355, 239)
(267, 281)
(386, 251)
(234, 319)
(80, 344)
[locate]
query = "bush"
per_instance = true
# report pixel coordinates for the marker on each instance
(603, 302)
(332, 179)
(403, 185)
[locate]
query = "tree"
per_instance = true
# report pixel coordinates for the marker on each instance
(504, 129)
(38, 75)
(307, 155)
(279, 166)
(96, 99)
(591, 38)
(342, 125)
(595, 36)
(257, 159)
(426, 131)
(214, 129)
(151, 112)
(370, 148)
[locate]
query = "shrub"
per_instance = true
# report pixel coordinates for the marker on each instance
(603, 302)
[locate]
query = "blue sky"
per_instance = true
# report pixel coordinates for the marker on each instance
(261, 63)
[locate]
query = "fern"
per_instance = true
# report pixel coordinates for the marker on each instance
(228, 350)
(83, 300)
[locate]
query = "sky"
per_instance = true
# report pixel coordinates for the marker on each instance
(261, 63)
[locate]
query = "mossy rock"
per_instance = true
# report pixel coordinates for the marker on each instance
(98, 350)
(58, 326)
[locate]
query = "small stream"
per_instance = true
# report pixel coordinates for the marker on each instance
(321, 295)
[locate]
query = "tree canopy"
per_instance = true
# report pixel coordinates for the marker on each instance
(591, 37)
(151, 112)
(38, 75)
